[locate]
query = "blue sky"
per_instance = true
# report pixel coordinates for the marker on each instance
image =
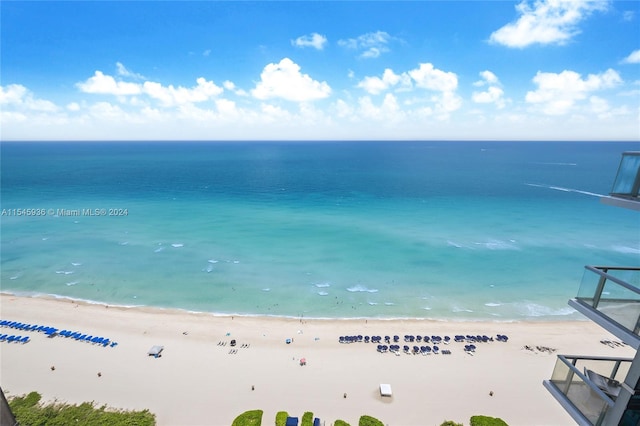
(209, 70)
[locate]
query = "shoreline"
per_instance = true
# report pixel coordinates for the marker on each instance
(197, 380)
(160, 309)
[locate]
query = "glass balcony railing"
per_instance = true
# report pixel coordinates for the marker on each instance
(590, 384)
(627, 183)
(613, 292)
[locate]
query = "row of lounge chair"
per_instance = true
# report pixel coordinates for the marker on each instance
(96, 340)
(53, 332)
(12, 338)
(423, 350)
(48, 330)
(426, 339)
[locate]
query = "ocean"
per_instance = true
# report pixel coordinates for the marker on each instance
(441, 230)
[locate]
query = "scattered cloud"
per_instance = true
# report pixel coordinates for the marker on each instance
(493, 93)
(206, 52)
(558, 93)
(546, 22)
(375, 85)
(170, 96)
(371, 45)
(106, 84)
(18, 97)
(284, 80)
(428, 77)
(315, 40)
(441, 87)
(628, 15)
(167, 95)
(124, 72)
(633, 58)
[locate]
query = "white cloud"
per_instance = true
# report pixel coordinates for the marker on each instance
(493, 94)
(633, 58)
(428, 77)
(487, 78)
(315, 40)
(372, 45)
(558, 93)
(123, 71)
(17, 96)
(230, 86)
(107, 85)
(169, 95)
(546, 22)
(206, 52)
(284, 80)
(376, 85)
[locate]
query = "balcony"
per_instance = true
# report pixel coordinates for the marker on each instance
(610, 296)
(627, 183)
(587, 387)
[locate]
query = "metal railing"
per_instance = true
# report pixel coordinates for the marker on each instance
(615, 293)
(627, 183)
(571, 378)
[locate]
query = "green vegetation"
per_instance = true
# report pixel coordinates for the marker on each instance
(486, 421)
(28, 411)
(281, 418)
(341, 423)
(307, 419)
(249, 418)
(369, 421)
(451, 423)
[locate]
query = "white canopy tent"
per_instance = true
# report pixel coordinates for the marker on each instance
(385, 390)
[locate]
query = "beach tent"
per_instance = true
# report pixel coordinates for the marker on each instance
(385, 390)
(155, 351)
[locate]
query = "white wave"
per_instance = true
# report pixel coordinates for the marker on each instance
(70, 283)
(456, 245)
(212, 261)
(626, 250)
(389, 303)
(124, 243)
(266, 289)
(14, 277)
(427, 308)
(45, 238)
(360, 288)
(492, 304)
(236, 261)
(537, 310)
(497, 245)
(76, 263)
(323, 285)
(158, 250)
(373, 303)
(177, 245)
(64, 272)
(323, 293)
(208, 269)
(563, 189)
(459, 309)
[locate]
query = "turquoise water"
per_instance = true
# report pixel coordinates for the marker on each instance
(445, 230)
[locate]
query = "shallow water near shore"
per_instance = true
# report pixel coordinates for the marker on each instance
(442, 230)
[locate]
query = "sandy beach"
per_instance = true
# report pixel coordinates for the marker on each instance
(199, 381)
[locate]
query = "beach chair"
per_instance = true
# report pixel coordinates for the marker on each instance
(24, 340)
(436, 349)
